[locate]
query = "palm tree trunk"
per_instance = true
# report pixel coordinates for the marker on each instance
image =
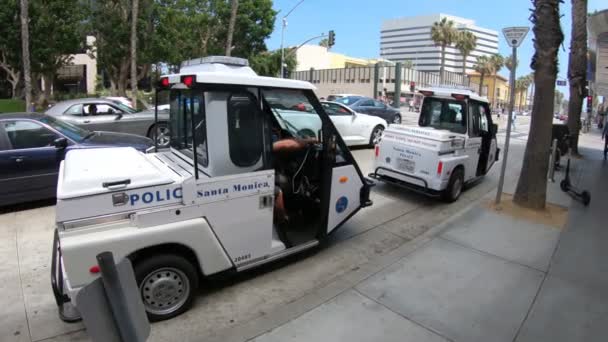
(494, 90)
(442, 69)
(531, 188)
(233, 12)
(481, 77)
(134, 16)
(464, 66)
(25, 50)
(577, 66)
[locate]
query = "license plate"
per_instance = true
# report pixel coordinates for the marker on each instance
(406, 165)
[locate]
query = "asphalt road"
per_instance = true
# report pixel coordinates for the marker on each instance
(397, 217)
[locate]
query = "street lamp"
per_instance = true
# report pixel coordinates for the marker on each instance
(283, 26)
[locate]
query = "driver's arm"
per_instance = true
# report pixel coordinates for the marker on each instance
(292, 145)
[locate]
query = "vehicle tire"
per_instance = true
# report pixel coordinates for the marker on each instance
(564, 185)
(376, 135)
(586, 197)
(164, 134)
(167, 285)
(396, 119)
(455, 186)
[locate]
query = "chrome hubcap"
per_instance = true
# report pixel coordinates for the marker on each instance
(162, 136)
(164, 290)
(376, 136)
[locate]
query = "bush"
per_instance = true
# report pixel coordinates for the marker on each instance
(10, 105)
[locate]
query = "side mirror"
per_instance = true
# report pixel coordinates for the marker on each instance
(60, 143)
(494, 129)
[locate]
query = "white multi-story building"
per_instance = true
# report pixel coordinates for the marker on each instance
(409, 39)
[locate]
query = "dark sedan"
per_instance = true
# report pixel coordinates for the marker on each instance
(98, 114)
(370, 106)
(32, 146)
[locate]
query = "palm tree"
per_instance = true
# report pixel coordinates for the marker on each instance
(25, 50)
(483, 67)
(443, 33)
(509, 63)
(233, 11)
(497, 62)
(134, 16)
(577, 66)
(465, 43)
(324, 42)
(531, 191)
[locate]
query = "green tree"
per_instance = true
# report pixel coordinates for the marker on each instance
(25, 52)
(577, 68)
(483, 67)
(443, 33)
(233, 11)
(466, 42)
(510, 63)
(268, 63)
(324, 42)
(496, 62)
(531, 188)
(10, 44)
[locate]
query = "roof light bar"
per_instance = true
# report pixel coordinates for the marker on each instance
(216, 59)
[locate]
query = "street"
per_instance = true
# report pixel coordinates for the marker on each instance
(394, 221)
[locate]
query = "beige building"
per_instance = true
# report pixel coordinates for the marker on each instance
(81, 75)
(319, 57)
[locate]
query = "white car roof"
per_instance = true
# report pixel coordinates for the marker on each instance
(448, 91)
(229, 70)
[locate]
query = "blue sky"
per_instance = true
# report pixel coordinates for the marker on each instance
(357, 23)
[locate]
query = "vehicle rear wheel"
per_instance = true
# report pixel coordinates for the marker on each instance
(397, 119)
(455, 186)
(167, 284)
(163, 134)
(376, 135)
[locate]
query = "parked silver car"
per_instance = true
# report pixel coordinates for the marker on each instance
(97, 114)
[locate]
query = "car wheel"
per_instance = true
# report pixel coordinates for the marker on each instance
(397, 119)
(376, 135)
(455, 186)
(167, 284)
(163, 134)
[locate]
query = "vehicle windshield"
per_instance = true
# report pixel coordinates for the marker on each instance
(348, 100)
(294, 112)
(124, 107)
(443, 114)
(71, 131)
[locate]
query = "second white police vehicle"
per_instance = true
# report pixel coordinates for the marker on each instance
(239, 187)
(454, 144)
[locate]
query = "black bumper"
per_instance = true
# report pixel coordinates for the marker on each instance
(412, 187)
(67, 311)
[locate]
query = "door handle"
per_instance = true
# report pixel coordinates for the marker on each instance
(18, 159)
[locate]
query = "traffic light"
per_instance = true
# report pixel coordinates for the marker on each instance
(331, 40)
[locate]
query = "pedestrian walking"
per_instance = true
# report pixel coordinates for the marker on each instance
(514, 118)
(605, 137)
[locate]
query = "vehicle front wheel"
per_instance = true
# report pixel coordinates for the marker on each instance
(455, 186)
(163, 134)
(167, 284)
(397, 119)
(376, 135)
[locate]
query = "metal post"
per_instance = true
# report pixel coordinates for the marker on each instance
(118, 304)
(376, 79)
(503, 167)
(397, 92)
(155, 120)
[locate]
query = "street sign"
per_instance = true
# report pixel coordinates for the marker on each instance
(515, 35)
(562, 83)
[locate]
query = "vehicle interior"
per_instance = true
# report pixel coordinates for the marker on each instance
(445, 114)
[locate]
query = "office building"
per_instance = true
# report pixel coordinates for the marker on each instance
(409, 39)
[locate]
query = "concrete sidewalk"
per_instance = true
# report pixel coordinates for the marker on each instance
(484, 276)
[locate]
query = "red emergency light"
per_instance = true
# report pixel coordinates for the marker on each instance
(188, 81)
(426, 92)
(164, 82)
(459, 97)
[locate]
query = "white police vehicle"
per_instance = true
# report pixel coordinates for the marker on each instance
(209, 203)
(453, 144)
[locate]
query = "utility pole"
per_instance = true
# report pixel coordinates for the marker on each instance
(514, 37)
(283, 26)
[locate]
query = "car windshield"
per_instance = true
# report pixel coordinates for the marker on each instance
(67, 129)
(348, 100)
(443, 114)
(124, 107)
